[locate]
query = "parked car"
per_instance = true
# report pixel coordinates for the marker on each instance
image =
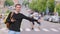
(50, 19)
(54, 19)
(46, 17)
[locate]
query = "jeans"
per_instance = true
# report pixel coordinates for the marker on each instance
(13, 32)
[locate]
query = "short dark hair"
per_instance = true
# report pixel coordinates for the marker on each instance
(17, 5)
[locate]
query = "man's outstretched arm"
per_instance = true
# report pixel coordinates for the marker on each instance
(28, 18)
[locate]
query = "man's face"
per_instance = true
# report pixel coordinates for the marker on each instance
(18, 8)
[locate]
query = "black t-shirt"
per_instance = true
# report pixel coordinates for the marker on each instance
(15, 26)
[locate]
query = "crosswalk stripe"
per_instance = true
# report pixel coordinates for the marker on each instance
(55, 30)
(35, 29)
(44, 29)
(27, 29)
(21, 29)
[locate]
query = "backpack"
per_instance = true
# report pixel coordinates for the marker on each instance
(7, 24)
(7, 16)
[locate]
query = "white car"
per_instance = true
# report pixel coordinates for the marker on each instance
(54, 19)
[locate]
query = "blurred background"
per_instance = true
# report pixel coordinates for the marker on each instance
(49, 10)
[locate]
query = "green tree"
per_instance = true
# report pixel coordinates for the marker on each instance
(9, 3)
(41, 5)
(58, 9)
(25, 2)
(51, 5)
(38, 5)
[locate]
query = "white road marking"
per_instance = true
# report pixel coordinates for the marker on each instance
(21, 29)
(36, 29)
(27, 29)
(55, 30)
(44, 29)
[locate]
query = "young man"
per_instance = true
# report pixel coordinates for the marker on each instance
(15, 20)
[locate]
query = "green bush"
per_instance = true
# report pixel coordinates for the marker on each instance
(9, 3)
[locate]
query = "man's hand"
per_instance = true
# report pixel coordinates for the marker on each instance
(12, 20)
(38, 20)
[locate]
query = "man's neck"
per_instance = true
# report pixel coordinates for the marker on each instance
(16, 12)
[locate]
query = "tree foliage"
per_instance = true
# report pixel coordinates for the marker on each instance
(38, 5)
(51, 5)
(9, 3)
(41, 5)
(58, 9)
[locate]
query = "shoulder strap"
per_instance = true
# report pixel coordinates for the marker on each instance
(11, 14)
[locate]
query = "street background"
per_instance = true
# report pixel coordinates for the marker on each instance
(46, 26)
